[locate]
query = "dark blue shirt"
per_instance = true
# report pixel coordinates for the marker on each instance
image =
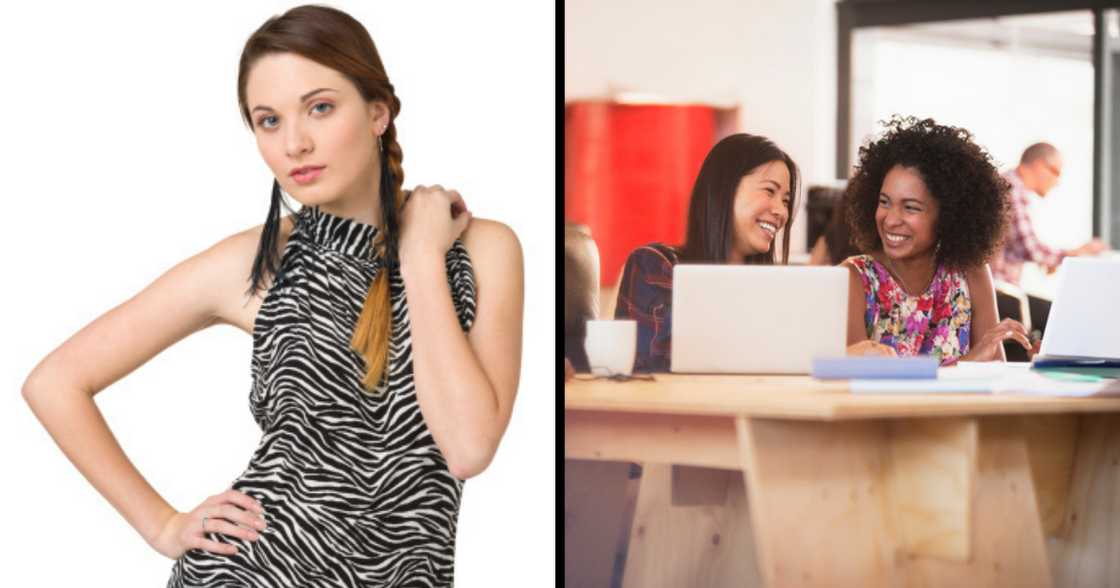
(645, 295)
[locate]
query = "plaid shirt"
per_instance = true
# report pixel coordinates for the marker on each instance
(646, 296)
(1020, 242)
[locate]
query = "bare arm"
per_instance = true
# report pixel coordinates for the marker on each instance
(857, 307)
(819, 254)
(191, 296)
(466, 383)
(987, 332)
(858, 343)
(984, 312)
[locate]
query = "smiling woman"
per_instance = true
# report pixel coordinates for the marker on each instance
(928, 207)
(386, 342)
(743, 196)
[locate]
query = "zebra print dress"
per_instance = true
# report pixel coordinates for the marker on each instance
(355, 490)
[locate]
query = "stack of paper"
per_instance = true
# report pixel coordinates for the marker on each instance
(995, 378)
(1056, 383)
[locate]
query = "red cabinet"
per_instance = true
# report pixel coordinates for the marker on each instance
(629, 170)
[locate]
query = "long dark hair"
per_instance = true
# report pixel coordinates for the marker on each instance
(336, 40)
(710, 233)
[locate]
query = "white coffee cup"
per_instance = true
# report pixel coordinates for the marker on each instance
(611, 346)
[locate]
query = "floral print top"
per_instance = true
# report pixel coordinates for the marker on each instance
(936, 323)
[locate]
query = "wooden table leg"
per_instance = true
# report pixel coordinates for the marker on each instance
(691, 525)
(824, 513)
(1052, 446)
(1009, 548)
(691, 528)
(595, 516)
(1087, 551)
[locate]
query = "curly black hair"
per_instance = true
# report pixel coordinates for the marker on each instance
(958, 173)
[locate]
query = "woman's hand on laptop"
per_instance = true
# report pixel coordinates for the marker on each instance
(991, 344)
(869, 347)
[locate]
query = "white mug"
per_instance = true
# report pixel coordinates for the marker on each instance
(611, 346)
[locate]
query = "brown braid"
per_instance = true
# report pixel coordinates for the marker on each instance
(373, 329)
(393, 150)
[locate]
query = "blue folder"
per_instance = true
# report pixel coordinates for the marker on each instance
(875, 368)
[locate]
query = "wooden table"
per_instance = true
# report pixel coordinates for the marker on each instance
(851, 490)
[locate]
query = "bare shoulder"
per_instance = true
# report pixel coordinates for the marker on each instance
(499, 269)
(239, 249)
(853, 271)
(230, 262)
(980, 275)
(491, 242)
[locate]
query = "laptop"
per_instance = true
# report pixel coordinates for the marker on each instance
(736, 319)
(1083, 329)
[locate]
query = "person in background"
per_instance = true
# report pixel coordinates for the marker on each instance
(581, 294)
(1038, 172)
(743, 197)
(835, 244)
(929, 208)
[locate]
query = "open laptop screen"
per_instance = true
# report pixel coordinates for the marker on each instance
(757, 319)
(1084, 318)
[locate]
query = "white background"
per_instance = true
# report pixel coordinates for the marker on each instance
(123, 153)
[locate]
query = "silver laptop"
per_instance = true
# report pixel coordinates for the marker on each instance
(757, 319)
(1084, 318)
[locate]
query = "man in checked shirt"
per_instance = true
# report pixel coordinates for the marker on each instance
(1038, 171)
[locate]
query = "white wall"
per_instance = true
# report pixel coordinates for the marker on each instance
(124, 153)
(776, 60)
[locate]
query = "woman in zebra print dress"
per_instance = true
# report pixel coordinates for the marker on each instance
(386, 342)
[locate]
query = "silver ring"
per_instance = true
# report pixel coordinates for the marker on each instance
(204, 523)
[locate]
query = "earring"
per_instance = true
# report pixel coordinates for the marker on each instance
(380, 148)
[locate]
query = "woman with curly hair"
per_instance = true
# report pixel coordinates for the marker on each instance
(743, 196)
(928, 206)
